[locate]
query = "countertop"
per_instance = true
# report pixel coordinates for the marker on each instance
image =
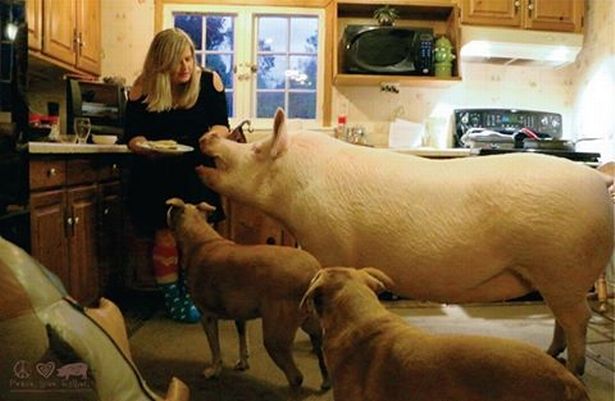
(435, 153)
(71, 148)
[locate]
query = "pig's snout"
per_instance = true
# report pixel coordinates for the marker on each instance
(206, 142)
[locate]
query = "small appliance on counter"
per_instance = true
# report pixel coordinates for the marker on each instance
(103, 103)
(494, 131)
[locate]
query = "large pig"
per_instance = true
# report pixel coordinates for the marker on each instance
(462, 230)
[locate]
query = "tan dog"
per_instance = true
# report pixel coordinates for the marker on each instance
(374, 355)
(239, 282)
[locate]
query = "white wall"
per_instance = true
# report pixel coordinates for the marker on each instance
(593, 76)
(128, 29)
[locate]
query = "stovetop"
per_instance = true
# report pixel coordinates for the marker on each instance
(508, 122)
(586, 157)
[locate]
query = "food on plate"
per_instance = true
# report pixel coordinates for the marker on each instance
(163, 144)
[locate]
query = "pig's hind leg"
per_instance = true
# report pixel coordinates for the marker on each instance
(572, 321)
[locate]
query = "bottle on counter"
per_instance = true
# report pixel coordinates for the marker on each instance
(341, 128)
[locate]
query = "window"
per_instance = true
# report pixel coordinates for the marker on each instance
(267, 57)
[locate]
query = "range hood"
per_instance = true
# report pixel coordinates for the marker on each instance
(506, 46)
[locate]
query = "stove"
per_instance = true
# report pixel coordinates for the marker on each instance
(497, 131)
(586, 157)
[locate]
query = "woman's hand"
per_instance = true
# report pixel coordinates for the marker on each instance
(134, 147)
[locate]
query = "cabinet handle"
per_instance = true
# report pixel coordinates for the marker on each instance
(76, 220)
(75, 41)
(70, 221)
(517, 4)
(106, 211)
(115, 167)
(530, 7)
(52, 172)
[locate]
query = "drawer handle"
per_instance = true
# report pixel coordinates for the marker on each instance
(52, 172)
(115, 167)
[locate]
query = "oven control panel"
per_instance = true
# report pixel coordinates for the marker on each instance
(507, 121)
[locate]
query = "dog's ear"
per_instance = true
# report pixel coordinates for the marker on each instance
(312, 299)
(377, 280)
(205, 207)
(175, 202)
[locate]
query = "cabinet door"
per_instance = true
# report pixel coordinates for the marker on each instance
(491, 12)
(34, 17)
(84, 281)
(48, 225)
(110, 236)
(555, 15)
(59, 28)
(88, 28)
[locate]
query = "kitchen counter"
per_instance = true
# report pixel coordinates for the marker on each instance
(72, 148)
(435, 153)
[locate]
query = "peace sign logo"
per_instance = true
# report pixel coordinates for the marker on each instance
(21, 369)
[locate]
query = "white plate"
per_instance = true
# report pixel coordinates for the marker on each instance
(179, 149)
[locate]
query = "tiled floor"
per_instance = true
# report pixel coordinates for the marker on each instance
(163, 349)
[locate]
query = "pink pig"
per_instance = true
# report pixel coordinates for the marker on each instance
(463, 230)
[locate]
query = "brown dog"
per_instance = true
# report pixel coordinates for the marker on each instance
(240, 282)
(374, 355)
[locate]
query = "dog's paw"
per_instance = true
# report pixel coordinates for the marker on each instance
(242, 365)
(326, 384)
(213, 371)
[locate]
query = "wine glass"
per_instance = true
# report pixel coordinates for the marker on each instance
(82, 127)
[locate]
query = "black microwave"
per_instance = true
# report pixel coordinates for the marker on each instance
(369, 49)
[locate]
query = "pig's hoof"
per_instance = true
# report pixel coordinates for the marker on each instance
(212, 372)
(242, 365)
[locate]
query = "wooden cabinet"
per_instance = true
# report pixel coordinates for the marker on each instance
(75, 221)
(34, 16)
(548, 15)
(66, 33)
(440, 16)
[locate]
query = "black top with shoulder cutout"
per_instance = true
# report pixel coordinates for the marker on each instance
(153, 181)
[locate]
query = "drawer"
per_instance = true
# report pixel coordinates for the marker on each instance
(47, 173)
(81, 171)
(109, 170)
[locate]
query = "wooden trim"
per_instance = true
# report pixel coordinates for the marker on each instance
(330, 15)
(330, 40)
(269, 3)
(403, 80)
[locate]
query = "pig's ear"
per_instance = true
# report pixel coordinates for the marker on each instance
(280, 134)
(175, 202)
(205, 207)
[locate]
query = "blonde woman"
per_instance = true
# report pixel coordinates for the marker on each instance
(172, 99)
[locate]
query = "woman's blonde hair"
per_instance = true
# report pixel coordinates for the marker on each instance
(163, 57)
